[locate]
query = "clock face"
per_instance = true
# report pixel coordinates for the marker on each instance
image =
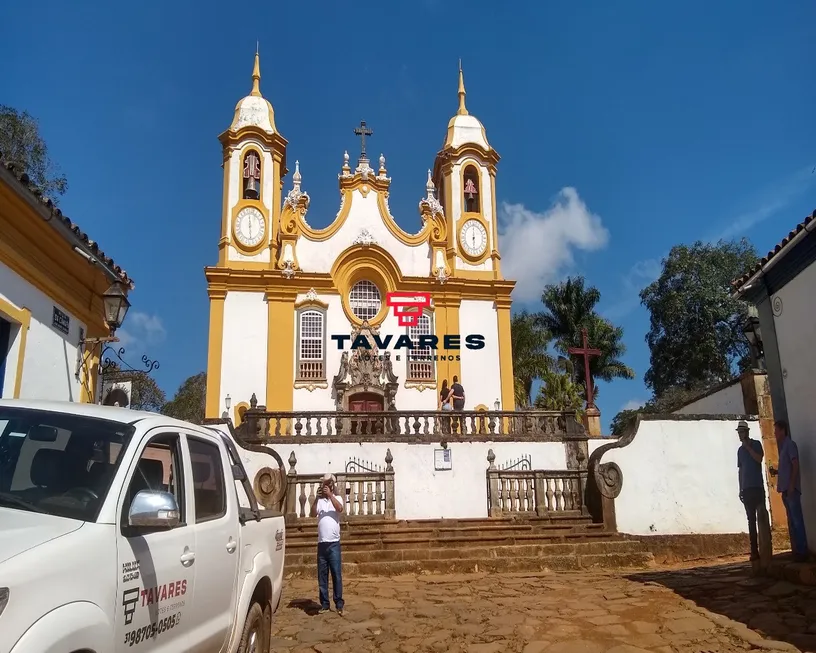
(250, 227)
(473, 238)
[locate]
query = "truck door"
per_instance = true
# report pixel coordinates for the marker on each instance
(218, 542)
(156, 565)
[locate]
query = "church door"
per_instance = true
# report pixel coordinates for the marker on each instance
(365, 402)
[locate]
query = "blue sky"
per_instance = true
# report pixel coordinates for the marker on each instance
(624, 129)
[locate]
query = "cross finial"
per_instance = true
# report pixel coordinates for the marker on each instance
(462, 109)
(362, 131)
(587, 353)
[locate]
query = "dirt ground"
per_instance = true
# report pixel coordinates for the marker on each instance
(706, 609)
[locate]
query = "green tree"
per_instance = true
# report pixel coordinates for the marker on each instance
(22, 145)
(569, 307)
(696, 336)
(530, 357)
(189, 402)
(667, 403)
(145, 393)
(559, 391)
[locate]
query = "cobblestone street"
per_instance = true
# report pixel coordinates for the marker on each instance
(552, 612)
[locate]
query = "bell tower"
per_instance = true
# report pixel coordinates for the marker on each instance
(254, 167)
(465, 175)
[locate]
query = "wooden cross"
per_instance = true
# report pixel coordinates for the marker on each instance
(362, 131)
(587, 353)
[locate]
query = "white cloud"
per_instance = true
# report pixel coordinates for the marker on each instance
(142, 329)
(633, 404)
(537, 247)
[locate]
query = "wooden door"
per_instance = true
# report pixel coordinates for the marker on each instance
(365, 403)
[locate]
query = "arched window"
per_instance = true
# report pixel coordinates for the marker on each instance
(421, 359)
(470, 191)
(252, 176)
(365, 300)
(311, 361)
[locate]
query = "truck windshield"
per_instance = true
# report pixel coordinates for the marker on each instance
(58, 463)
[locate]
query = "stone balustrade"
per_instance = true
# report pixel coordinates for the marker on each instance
(535, 492)
(260, 425)
(366, 493)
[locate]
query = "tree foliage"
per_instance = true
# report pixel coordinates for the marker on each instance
(189, 402)
(558, 391)
(667, 403)
(569, 307)
(696, 337)
(22, 145)
(145, 392)
(531, 359)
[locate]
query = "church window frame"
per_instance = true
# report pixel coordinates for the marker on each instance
(471, 171)
(365, 300)
(311, 345)
(420, 363)
(245, 180)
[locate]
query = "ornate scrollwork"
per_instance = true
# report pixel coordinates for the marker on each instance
(776, 305)
(609, 479)
(109, 364)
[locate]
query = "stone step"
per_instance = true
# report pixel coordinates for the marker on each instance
(632, 560)
(395, 541)
(298, 557)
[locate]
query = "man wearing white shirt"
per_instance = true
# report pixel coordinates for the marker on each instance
(328, 508)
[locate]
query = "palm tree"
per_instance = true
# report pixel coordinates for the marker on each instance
(559, 392)
(530, 358)
(569, 307)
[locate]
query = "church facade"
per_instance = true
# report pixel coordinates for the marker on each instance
(360, 315)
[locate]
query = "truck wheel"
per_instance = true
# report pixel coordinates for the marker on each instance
(255, 638)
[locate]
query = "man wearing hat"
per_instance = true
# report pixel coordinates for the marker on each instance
(751, 485)
(328, 508)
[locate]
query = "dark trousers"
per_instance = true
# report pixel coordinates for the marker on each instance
(796, 524)
(328, 560)
(754, 500)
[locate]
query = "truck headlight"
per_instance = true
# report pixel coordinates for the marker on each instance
(4, 596)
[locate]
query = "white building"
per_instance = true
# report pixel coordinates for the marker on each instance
(287, 300)
(52, 278)
(782, 286)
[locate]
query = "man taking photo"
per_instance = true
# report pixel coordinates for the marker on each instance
(751, 485)
(328, 508)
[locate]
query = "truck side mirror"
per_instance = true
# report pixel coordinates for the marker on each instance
(154, 509)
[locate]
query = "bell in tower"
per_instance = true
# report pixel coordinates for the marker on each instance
(252, 176)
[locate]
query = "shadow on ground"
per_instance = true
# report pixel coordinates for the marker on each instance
(775, 608)
(308, 606)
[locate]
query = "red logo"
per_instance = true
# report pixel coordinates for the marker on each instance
(408, 306)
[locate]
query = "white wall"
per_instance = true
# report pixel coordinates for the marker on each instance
(420, 492)
(481, 375)
(796, 339)
(243, 358)
(727, 401)
(49, 366)
(680, 477)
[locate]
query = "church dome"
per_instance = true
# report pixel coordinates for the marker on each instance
(463, 128)
(254, 110)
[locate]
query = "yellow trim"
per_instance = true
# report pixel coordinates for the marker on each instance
(238, 414)
(481, 408)
(370, 263)
(420, 385)
(508, 395)
(223, 244)
(280, 352)
(446, 321)
(22, 316)
(214, 353)
(495, 223)
(311, 303)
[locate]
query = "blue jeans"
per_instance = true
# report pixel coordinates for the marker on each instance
(328, 560)
(796, 523)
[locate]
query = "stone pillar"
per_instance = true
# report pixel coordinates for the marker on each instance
(592, 421)
(756, 395)
(291, 490)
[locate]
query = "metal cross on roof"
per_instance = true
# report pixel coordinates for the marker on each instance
(362, 131)
(587, 353)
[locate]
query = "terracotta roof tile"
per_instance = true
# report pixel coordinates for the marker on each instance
(26, 185)
(740, 281)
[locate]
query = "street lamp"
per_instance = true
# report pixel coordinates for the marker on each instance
(497, 405)
(753, 334)
(228, 401)
(116, 306)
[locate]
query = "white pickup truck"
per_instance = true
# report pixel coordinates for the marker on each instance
(123, 530)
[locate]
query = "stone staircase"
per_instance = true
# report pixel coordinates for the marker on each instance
(383, 547)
